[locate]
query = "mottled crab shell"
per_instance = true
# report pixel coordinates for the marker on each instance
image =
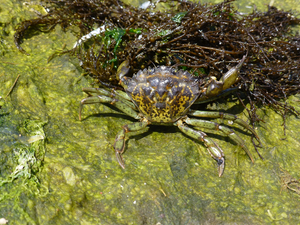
(163, 94)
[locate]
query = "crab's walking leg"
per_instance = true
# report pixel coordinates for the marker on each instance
(104, 91)
(226, 116)
(119, 145)
(215, 126)
(113, 101)
(212, 147)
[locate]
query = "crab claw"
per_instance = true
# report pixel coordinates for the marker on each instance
(217, 88)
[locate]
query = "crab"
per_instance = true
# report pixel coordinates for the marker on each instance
(163, 95)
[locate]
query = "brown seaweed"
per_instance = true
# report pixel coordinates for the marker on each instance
(203, 39)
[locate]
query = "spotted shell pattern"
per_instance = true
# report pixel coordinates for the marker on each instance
(163, 94)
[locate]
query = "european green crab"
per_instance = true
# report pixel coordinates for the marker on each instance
(163, 95)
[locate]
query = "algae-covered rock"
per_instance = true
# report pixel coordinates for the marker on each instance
(72, 176)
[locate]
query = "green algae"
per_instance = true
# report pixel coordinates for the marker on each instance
(169, 178)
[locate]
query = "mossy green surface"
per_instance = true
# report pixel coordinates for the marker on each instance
(169, 178)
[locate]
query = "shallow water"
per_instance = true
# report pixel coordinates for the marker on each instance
(169, 178)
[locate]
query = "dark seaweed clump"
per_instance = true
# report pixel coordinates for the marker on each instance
(204, 39)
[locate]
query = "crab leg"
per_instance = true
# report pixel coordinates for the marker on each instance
(226, 116)
(119, 145)
(122, 96)
(214, 150)
(103, 91)
(113, 101)
(215, 126)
